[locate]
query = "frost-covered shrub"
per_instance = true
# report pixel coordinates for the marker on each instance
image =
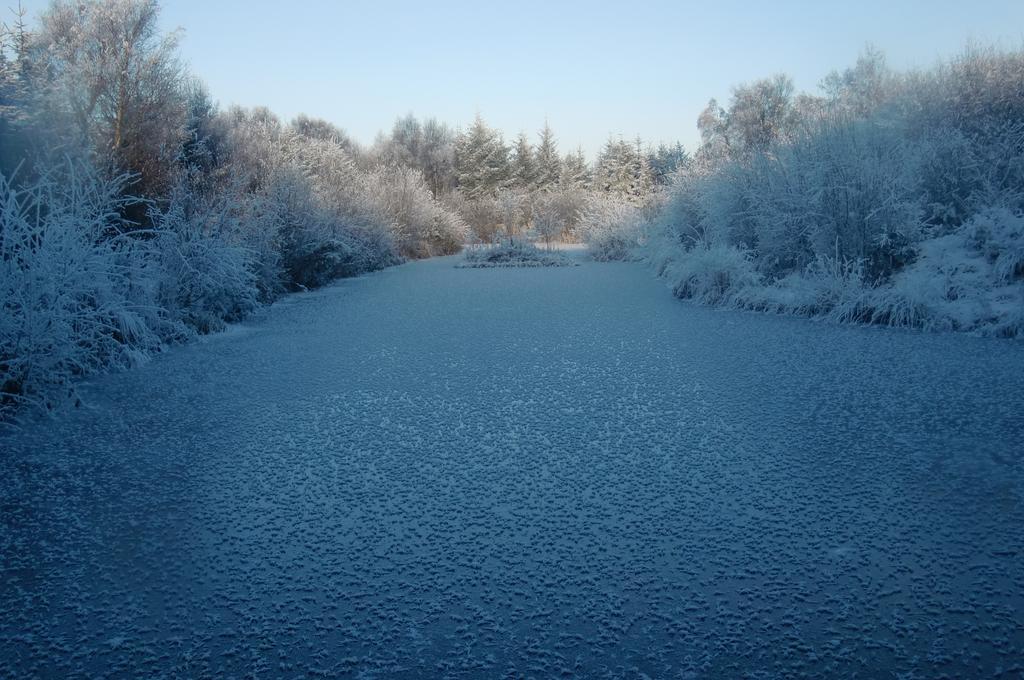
(612, 229)
(447, 232)
(963, 174)
(204, 280)
(315, 242)
(845, 190)
(942, 290)
(258, 227)
(712, 274)
(972, 279)
(316, 262)
(558, 214)
(480, 213)
(330, 211)
(902, 206)
(998, 235)
(76, 291)
(422, 226)
(826, 287)
(723, 208)
(838, 288)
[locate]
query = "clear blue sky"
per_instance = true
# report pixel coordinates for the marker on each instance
(638, 67)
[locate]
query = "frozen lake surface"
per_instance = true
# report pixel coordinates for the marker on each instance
(440, 472)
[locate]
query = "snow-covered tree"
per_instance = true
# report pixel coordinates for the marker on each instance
(862, 89)
(665, 161)
(481, 160)
(15, 88)
(623, 169)
(318, 128)
(118, 80)
(549, 163)
(575, 171)
(524, 167)
(509, 206)
(437, 156)
(761, 114)
(557, 214)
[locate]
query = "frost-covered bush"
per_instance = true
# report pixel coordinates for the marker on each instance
(558, 214)
(612, 229)
(313, 259)
(964, 173)
(204, 280)
(998, 234)
(712, 274)
(423, 227)
(76, 290)
(827, 287)
(480, 213)
(333, 214)
(314, 241)
(897, 200)
(972, 279)
(846, 191)
(447, 232)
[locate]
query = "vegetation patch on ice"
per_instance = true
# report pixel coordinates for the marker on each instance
(514, 254)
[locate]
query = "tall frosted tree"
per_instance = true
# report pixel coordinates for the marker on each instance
(14, 90)
(203, 143)
(116, 78)
(643, 178)
(762, 113)
(575, 171)
(428, 147)
(714, 134)
(481, 160)
(524, 166)
(759, 115)
(317, 128)
(862, 89)
(609, 170)
(437, 156)
(666, 160)
(403, 146)
(549, 163)
(623, 169)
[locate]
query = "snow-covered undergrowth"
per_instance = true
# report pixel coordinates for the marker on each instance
(969, 280)
(77, 295)
(84, 290)
(886, 204)
(612, 229)
(514, 254)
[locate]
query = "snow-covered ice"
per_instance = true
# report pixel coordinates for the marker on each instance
(556, 472)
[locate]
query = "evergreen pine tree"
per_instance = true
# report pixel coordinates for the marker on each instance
(623, 168)
(524, 167)
(642, 177)
(549, 163)
(481, 160)
(666, 160)
(575, 171)
(611, 172)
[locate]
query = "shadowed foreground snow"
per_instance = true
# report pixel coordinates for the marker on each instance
(433, 471)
